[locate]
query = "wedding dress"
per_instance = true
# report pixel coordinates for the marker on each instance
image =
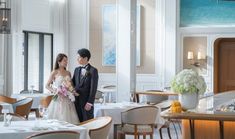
(62, 108)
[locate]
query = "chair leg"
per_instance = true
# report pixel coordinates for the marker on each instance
(121, 136)
(179, 126)
(136, 136)
(160, 131)
(175, 129)
(169, 134)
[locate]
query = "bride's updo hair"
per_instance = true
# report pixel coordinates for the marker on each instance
(59, 58)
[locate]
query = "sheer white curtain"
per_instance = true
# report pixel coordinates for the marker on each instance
(59, 25)
(15, 75)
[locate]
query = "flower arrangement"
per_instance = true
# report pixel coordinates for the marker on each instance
(65, 91)
(188, 81)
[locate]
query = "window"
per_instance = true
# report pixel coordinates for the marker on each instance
(38, 59)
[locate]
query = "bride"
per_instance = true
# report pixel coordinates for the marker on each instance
(61, 107)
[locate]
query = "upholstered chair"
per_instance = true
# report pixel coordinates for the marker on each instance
(138, 121)
(98, 127)
(7, 99)
(56, 135)
(45, 101)
(23, 107)
(28, 91)
(99, 96)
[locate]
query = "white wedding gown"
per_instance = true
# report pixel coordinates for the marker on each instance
(62, 108)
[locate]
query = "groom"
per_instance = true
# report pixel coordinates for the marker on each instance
(85, 80)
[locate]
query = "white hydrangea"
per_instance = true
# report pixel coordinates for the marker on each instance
(188, 81)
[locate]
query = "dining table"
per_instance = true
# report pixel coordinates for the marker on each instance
(23, 129)
(7, 106)
(114, 110)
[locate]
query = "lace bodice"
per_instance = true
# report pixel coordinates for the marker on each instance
(59, 80)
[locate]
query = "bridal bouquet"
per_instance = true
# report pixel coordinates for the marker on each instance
(64, 91)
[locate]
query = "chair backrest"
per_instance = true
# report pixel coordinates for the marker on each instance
(45, 101)
(109, 86)
(23, 107)
(15, 117)
(154, 99)
(7, 99)
(98, 127)
(56, 135)
(99, 95)
(140, 115)
(223, 97)
(28, 91)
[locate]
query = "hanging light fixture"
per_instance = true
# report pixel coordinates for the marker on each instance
(5, 18)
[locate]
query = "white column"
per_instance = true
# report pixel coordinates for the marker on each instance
(126, 48)
(78, 29)
(170, 41)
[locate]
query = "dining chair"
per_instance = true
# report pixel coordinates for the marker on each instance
(0, 108)
(99, 97)
(45, 101)
(166, 105)
(15, 117)
(23, 107)
(109, 86)
(138, 121)
(7, 99)
(153, 99)
(98, 127)
(56, 135)
(28, 92)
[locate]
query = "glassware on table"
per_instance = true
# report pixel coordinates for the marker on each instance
(101, 100)
(132, 96)
(104, 100)
(31, 90)
(5, 111)
(41, 111)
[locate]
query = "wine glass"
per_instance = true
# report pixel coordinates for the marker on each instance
(132, 95)
(41, 111)
(101, 100)
(31, 91)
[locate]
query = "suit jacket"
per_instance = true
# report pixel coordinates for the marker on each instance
(86, 85)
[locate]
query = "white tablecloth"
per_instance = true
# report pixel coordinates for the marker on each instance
(23, 129)
(114, 110)
(7, 106)
(36, 98)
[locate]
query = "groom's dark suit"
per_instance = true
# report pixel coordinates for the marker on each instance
(86, 86)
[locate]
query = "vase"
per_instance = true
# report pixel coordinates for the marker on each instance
(188, 100)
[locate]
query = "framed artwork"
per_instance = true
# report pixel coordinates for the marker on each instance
(109, 15)
(109, 35)
(198, 13)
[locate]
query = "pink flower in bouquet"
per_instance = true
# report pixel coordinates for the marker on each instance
(63, 91)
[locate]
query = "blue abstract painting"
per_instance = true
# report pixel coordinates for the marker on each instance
(207, 13)
(109, 35)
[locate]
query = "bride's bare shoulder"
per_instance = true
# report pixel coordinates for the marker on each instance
(54, 72)
(68, 73)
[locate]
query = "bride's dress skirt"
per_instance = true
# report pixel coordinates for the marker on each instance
(63, 109)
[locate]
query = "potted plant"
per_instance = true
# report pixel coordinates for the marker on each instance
(189, 85)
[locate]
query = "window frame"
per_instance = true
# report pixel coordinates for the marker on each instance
(41, 57)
